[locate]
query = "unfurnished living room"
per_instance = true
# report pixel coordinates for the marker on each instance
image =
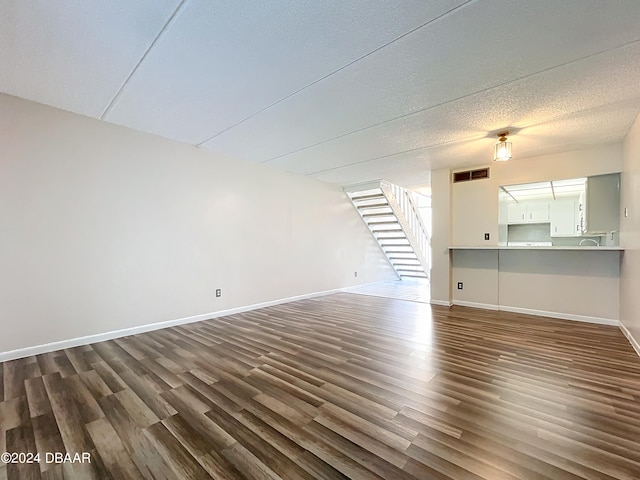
(320, 240)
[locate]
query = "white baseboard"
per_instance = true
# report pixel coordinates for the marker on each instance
(486, 306)
(539, 313)
(634, 343)
(125, 332)
(444, 303)
(562, 316)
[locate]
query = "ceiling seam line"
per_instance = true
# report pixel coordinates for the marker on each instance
(330, 74)
(478, 137)
(439, 144)
(174, 16)
(453, 100)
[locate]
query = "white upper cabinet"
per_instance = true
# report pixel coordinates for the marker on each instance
(565, 217)
(528, 212)
(538, 212)
(516, 213)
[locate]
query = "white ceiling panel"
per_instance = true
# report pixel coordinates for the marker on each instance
(411, 169)
(449, 59)
(223, 61)
(75, 54)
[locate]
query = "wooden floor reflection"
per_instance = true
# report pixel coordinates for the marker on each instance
(411, 289)
(341, 386)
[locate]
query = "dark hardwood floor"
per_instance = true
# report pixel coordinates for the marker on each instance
(342, 386)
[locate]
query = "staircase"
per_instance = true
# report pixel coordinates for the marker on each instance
(391, 215)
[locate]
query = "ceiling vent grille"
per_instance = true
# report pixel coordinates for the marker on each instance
(471, 175)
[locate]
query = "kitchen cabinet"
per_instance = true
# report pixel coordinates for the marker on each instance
(564, 215)
(538, 212)
(528, 212)
(516, 213)
(603, 204)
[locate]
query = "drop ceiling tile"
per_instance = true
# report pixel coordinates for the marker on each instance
(407, 169)
(607, 124)
(75, 54)
(478, 47)
(223, 61)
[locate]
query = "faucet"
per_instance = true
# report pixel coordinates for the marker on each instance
(595, 242)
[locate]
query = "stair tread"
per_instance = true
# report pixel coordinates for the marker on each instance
(367, 197)
(378, 214)
(373, 205)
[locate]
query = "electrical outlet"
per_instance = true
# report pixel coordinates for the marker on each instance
(355, 274)
(218, 292)
(486, 236)
(459, 285)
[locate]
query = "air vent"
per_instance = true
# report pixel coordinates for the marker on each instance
(471, 175)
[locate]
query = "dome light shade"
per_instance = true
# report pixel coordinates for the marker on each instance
(503, 148)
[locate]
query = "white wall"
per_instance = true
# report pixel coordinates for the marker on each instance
(441, 237)
(630, 235)
(478, 272)
(105, 228)
(578, 285)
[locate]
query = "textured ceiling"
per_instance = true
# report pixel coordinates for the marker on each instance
(344, 91)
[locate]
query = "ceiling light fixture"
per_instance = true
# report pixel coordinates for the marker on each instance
(503, 148)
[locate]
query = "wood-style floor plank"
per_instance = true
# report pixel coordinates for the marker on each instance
(342, 386)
